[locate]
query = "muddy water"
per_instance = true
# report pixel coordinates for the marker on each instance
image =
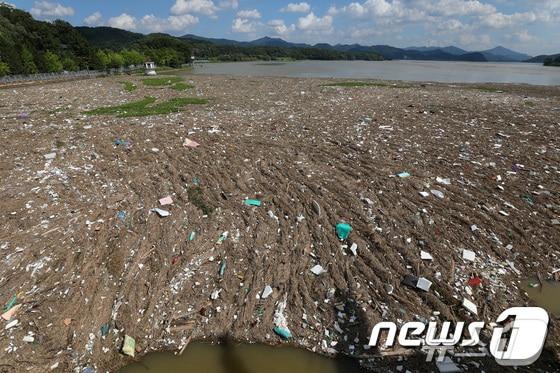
(546, 295)
(435, 71)
(242, 358)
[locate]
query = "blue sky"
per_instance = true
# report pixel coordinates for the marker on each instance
(530, 26)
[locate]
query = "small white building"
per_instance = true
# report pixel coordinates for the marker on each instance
(150, 68)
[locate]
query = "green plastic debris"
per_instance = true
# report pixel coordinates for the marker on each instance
(222, 270)
(253, 202)
(529, 199)
(192, 235)
(11, 303)
(222, 238)
(104, 329)
(129, 346)
(284, 333)
(343, 230)
(403, 175)
(533, 284)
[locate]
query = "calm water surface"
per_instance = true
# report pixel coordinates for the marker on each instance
(241, 358)
(436, 71)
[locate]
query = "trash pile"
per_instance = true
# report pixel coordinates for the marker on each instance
(268, 215)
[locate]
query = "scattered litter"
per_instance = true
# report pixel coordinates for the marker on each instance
(29, 339)
(280, 322)
(165, 201)
(121, 215)
(425, 255)
(11, 303)
(222, 238)
(443, 181)
(50, 156)
(253, 202)
(469, 255)
(12, 324)
(354, 249)
(316, 208)
(318, 270)
(11, 312)
(161, 213)
(437, 193)
(222, 269)
(470, 306)
(190, 143)
(129, 346)
(215, 294)
(417, 282)
(447, 366)
(192, 236)
(343, 230)
(424, 194)
(266, 292)
(475, 281)
(403, 175)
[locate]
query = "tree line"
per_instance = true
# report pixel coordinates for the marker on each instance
(28, 46)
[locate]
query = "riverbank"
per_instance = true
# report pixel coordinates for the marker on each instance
(90, 263)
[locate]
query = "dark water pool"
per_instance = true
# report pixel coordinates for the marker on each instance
(242, 358)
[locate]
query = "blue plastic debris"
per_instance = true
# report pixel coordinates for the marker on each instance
(343, 230)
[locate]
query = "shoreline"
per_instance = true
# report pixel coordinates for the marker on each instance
(293, 144)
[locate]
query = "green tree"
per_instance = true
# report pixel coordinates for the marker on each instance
(132, 57)
(69, 64)
(4, 68)
(116, 60)
(52, 62)
(103, 59)
(28, 62)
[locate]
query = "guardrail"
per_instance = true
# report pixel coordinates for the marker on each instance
(66, 75)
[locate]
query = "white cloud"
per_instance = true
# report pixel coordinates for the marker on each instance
(124, 21)
(94, 19)
(242, 25)
(152, 23)
(48, 10)
(297, 8)
(456, 7)
(475, 41)
(450, 25)
(313, 23)
(280, 28)
(500, 20)
(229, 4)
(205, 7)
(253, 13)
(524, 37)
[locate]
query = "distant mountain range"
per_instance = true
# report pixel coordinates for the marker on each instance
(450, 53)
(541, 58)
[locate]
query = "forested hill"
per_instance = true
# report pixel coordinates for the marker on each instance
(29, 46)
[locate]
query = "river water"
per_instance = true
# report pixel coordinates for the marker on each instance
(241, 358)
(428, 71)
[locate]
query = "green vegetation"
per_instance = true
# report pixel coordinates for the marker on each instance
(147, 107)
(162, 81)
(490, 89)
(29, 46)
(552, 61)
(196, 198)
(4, 68)
(365, 84)
(181, 86)
(129, 86)
(52, 62)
